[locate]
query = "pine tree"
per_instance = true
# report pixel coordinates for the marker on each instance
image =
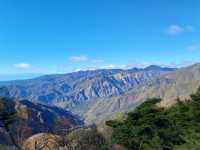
(8, 116)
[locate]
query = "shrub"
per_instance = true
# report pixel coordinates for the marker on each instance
(149, 127)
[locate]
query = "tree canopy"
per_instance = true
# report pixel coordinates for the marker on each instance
(150, 127)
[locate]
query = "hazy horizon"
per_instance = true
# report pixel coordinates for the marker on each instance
(24, 76)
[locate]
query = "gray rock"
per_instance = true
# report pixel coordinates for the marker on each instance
(71, 90)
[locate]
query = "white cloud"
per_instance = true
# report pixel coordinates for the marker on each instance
(174, 29)
(78, 58)
(193, 47)
(77, 70)
(177, 29)
(23, 66)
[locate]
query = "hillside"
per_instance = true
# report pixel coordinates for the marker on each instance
(180, 83)
(32, 118)
(100, 94)
(71, 90)
(150, 127)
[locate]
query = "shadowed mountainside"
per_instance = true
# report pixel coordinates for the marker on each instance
(32, 118)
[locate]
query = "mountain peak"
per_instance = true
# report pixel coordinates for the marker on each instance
(70, 90)
(156, 67)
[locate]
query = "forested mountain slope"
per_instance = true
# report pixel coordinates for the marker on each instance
(151, 127)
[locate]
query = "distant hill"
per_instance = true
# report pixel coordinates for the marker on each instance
(74, 89)
(23, 76)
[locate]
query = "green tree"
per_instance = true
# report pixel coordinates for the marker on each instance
(146, 128)
(8, 116)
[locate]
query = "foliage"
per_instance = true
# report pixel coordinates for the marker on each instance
(150, 127)
(8, 116)
(7, 111)
(6, 147)
(86, 139)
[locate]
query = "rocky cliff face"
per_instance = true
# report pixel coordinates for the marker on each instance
(169, 87)
(70, 90)
(43, 141)
(84, 138)
(102, 93)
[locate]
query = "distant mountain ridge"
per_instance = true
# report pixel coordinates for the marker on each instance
(23, 76)
(100, 94)
(73, 89)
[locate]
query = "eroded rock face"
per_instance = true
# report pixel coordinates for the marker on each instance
(168, 87)
(71, 90)
(43, 141)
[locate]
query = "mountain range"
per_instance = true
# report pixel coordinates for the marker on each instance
(70, 90)
(170, 86)
(99, 94)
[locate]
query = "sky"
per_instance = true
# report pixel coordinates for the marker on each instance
(60, 36)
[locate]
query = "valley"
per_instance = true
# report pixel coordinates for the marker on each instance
(61, 117)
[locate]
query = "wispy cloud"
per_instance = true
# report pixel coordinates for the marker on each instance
(178, 29)
(23, 66)
(193, 47)
(78, 58)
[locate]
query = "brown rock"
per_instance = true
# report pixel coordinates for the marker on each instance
(42, 141)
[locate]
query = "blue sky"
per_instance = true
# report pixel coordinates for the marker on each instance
(58, 36)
